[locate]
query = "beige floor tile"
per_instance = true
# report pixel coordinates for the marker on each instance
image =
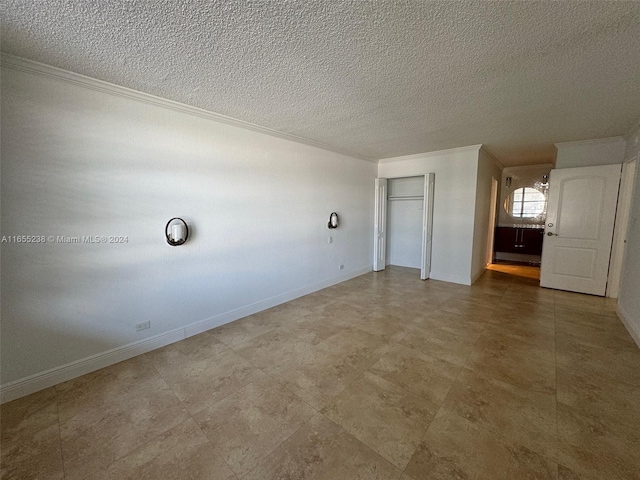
(454, 347)
(273, 348)
(22, 418)
(203, 382)
(182, 452)
(97, 388)
(315, 328)
(383, 416)
(597, 450)
(321, 450)
(542, 343)
(534, 295)
(249, 424)
(389, 327)
(565, 473)
(235, 333)
(376, 352)
(199, 347)
(326, 370)
(96, 437)
(453, 322)
(425, 376)
(280, 314)
(599, 397)
(525, 324)
(584, 303)
(353, 341)
(619, 364)
(605, 331)
(533, 303)
(515, 361)
(30, 437)
(454, 448)
(483, 298)
(311, 301)
(513, 415)
(347, 312)
(467, 307)
(36, 455)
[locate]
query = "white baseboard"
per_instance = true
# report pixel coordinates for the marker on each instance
(48, 378)
(221, 319)
(631, 326)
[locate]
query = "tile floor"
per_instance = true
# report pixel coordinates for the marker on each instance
(380, 377)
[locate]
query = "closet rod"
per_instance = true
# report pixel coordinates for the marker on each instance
(405, 197)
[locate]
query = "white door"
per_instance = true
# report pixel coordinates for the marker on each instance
(380, 225)
(427, 225)
(581, 213)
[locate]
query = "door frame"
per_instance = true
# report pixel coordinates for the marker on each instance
(623, 212)
(493, 210)
(380, 222)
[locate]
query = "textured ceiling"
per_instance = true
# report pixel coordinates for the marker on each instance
(374, 78)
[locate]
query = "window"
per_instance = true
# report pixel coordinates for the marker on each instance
(525, 203)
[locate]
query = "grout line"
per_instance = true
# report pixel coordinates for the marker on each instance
(64, 472)
(190, 415)
(555, 369)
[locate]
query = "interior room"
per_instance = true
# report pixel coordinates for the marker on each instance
(320, 240)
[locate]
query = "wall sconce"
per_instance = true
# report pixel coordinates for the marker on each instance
(176, 231)
(508, 181)
(333, 220)
(545, 179)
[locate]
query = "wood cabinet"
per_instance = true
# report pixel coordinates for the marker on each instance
(519, 240)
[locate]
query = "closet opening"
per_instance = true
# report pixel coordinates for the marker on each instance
(404, 222)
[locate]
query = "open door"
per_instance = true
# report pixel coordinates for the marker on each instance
(380, 226)
(581, 212)
(427, 225)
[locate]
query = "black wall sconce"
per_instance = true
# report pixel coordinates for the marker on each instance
(333, 220)
(508, 181)
(545, 179)
(176, 231)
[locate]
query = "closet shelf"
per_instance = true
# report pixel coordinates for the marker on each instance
(405, 197)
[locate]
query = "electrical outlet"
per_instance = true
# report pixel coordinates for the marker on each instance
(143, 326)
(341, 267)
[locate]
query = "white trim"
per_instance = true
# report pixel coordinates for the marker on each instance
(589, 142)
(37, 68)
(437, 153)
(221, 319)
(483, 148)
(40, 381)
(620, 229)
(538, 166)
(633, 328)
(48, 378)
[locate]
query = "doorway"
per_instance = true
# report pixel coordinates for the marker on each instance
(521, 214)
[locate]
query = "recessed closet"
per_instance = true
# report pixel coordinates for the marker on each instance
(403, 224)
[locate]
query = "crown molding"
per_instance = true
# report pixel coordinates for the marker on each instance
(494, 158)
(589, 142)
(437, 153)
(44, 70)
